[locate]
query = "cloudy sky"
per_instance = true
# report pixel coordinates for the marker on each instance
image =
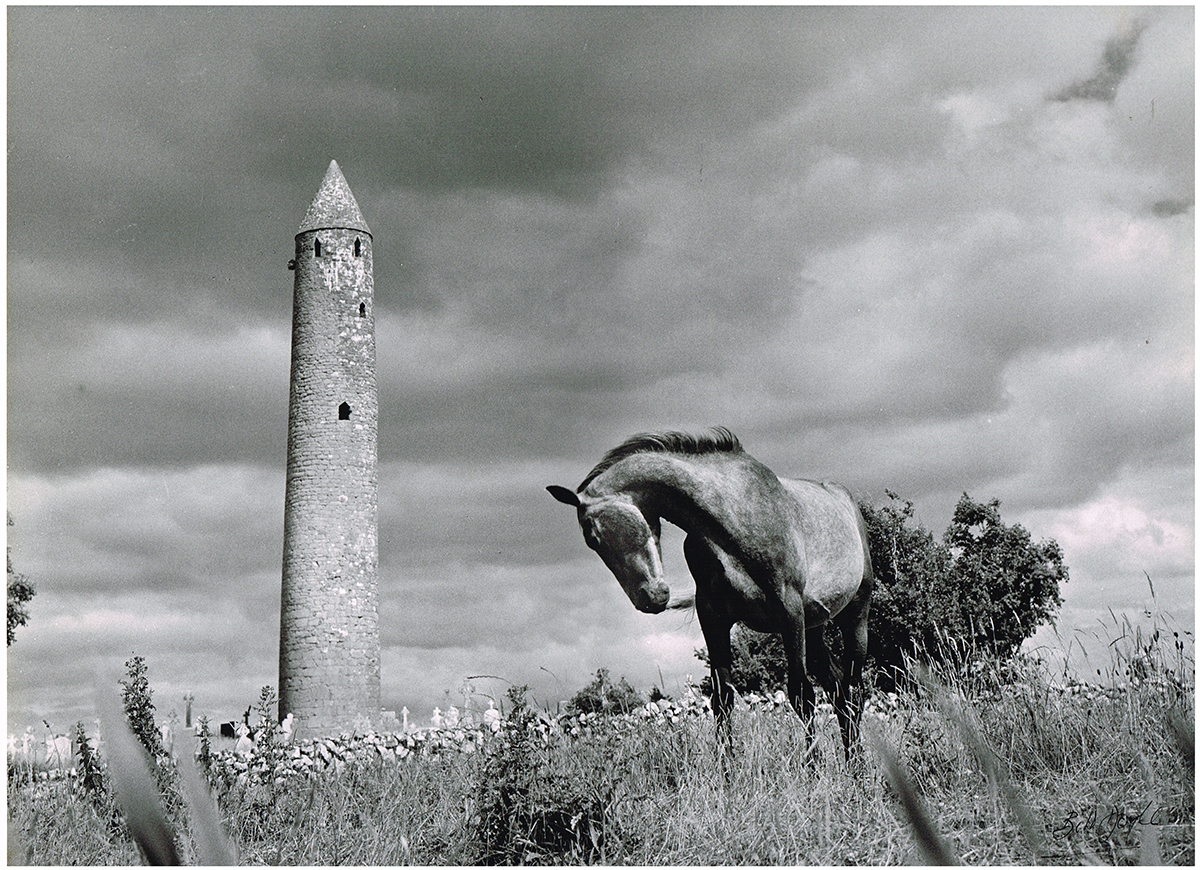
(930, 250)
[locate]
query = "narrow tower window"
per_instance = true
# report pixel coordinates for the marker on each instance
(317, 247)
(357, 250)
(362, 309)
(344, 411)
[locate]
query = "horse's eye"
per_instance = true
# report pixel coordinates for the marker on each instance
(590, 537)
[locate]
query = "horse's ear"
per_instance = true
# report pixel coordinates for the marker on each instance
(561, 493)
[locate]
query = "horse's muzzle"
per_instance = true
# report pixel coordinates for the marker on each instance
(653, 602)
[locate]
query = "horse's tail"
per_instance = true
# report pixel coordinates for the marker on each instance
(684, 602)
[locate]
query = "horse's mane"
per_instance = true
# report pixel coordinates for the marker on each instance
(717, 440)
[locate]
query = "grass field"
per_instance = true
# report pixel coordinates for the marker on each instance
(1002, 765)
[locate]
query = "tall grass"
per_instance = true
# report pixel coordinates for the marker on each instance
(1007, 764)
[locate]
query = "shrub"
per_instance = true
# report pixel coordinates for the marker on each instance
(602, 695)
(268, 737)
(528, 810)
(204, 747)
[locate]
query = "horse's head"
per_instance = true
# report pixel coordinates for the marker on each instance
(628, 544)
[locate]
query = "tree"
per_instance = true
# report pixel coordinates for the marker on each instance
(20, 593)
(984, 588)
(1006, 585)
(908, 562)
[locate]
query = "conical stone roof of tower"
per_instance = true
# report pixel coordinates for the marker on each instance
(334, 205)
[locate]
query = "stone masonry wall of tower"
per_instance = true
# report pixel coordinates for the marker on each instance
(329, 624)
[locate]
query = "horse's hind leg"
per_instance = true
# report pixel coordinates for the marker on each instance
(800, 690)
(853, 623)
(830, 677)
(854, 657)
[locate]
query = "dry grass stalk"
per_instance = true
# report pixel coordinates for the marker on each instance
(213, 848)
(934, 848)
(985, 758)
(137, 796)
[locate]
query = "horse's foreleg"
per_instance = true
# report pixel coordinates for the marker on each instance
(720, 661)
(716, 623)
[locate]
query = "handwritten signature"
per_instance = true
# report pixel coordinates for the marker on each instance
(1107, 823)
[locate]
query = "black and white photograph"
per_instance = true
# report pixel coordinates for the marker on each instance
(662, 435)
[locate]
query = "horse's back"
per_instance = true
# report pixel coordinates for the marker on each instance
(830, 537)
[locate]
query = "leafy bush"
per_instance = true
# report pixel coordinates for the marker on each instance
(269, 736)
(602, 695)
(90, 773)
(204, 746)
(527, 811)
(138, 700)
(759, 662)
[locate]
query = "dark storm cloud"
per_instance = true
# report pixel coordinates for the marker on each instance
(122, 117)
(548, 99)
(435, 504)
(162, 531)
(115, 395)
(148, 148)
(1115, 64)
(1166, 208)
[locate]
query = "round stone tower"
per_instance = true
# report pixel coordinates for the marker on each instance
(329, 622)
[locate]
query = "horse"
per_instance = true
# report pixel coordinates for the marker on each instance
(780, 556)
